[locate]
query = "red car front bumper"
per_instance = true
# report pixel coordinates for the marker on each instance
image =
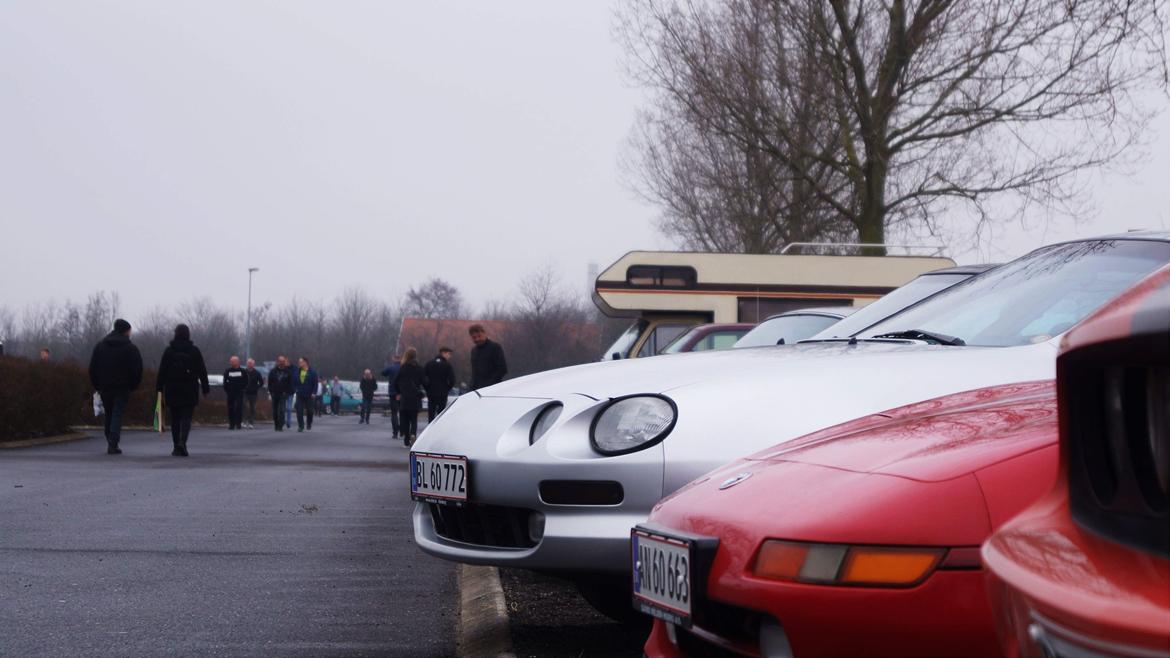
(947, 615)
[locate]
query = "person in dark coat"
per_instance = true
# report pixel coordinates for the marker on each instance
(280, 389)
(487, 359)
(305, 382)
(368, 386)
(390, 372)
(253, 382)
(181, 374)
(234, 381)
(115, 369)
(408, 382)
(439, 379)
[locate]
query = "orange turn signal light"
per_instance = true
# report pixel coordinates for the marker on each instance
(839, 564)
(889, 566)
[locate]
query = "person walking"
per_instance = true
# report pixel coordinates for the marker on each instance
(390, 372)
(181, 373)
(319, 400)
(280, 389)
(336, 390)
(487, 359)
(439, 379)
(368, 385)
(306, 384)
(115, 369)
(408, 383)
(234, 381)
(253, 382)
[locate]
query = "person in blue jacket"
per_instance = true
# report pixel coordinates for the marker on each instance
(305, 384)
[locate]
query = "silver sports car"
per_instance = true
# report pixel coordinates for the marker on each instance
(550, 471)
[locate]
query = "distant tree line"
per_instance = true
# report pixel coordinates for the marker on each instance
(342, 336)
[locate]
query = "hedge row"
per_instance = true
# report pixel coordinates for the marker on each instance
(45, 399)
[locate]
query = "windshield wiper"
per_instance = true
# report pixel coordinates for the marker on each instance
(919, 334)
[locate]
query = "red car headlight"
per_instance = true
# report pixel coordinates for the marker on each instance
(839, 564)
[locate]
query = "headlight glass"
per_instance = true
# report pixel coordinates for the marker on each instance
(632, 423)
(544, 420)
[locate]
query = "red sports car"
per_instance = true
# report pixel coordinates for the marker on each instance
(1085, 572)
(859, 540)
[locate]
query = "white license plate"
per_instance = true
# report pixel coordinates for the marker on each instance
(439, 479)
(663, 568)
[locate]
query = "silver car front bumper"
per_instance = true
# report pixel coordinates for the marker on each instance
(506, 473)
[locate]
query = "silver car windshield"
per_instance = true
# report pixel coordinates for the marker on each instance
(1033, 298)
(890, 303)
(789, 328)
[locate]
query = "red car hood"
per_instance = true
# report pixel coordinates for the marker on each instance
(935, 440)
(887, 478)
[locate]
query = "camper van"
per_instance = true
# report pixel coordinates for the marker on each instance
(667, 292)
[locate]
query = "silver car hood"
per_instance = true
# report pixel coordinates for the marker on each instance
(733, 403)
(767, 369)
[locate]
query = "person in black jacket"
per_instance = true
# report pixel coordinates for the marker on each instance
(115, 369)
(280, 389)
(234, 381)
(253, 382)
(180, 376)
(390, 372)
(487, 359)
(408, 383)
(368, 385)
(439, 379)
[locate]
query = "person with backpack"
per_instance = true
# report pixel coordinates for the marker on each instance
(181, 373)
(115, 369)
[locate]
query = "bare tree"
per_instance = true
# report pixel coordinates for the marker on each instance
(724, 73)
(548, 328)
(434, 298)
(921, 104)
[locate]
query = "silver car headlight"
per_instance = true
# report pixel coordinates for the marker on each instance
(631, 423)
(544, 420)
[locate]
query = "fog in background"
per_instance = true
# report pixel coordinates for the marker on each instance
(159, 149)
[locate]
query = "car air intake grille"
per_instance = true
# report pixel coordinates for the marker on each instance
(484, 525)
(1117, 418)
(737, 631)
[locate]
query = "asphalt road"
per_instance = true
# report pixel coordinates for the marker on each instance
(259, 543)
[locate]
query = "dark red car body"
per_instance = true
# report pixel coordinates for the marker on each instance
(941, 473)
(1086, 571)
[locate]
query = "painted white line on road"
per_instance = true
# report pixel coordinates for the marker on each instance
(483, 614)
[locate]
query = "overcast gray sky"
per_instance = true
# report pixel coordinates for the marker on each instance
(161, 148)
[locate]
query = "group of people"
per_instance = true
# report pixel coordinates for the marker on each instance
(115, 370)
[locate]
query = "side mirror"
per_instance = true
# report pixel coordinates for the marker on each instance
(780, 342)
(616, 356)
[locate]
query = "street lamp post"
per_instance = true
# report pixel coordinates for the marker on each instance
(248, 319)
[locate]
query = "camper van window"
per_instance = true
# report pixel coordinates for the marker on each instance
(661, 276)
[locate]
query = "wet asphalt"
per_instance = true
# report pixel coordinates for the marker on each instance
(260, 542)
